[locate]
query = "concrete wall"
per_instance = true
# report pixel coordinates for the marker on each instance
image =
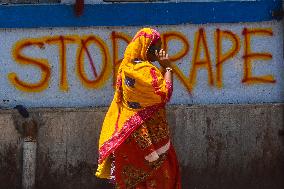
(218, 146)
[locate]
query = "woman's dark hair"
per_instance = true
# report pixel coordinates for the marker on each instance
(152, 49)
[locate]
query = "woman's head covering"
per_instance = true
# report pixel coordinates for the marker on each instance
(138, 47)
(139, 72)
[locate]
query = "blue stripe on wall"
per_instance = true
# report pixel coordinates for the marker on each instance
(138, 14)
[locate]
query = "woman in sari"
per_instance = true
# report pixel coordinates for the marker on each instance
(135, 151)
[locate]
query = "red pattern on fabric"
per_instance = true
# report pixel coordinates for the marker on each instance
(156, 86)
(132, 170)
(129, 126)
(118, 88)
(119, 81)
(116, 124)
(169, 86)
(155, 36)
(166, 177)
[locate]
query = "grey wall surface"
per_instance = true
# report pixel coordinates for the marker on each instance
(218, 146)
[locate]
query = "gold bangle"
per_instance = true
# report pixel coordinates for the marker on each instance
(168, 69)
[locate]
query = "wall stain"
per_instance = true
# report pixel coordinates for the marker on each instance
(10, 170)
(79, 176)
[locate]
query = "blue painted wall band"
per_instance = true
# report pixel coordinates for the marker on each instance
(138, 14)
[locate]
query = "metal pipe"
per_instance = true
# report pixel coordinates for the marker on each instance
(28, 130)
(29, 165)
(29, 154)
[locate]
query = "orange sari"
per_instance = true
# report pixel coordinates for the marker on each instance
(134, 147)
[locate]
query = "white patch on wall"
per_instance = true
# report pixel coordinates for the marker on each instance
(77, 94)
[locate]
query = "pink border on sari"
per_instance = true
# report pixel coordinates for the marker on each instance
(129, 126)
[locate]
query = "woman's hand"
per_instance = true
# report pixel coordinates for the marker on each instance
(163, 58)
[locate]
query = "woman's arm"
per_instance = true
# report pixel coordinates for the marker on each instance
(163, 59)
(168, 74)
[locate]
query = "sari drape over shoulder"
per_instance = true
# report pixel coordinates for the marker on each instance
(140, 96)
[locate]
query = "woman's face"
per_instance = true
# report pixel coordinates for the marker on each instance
(151, 51)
